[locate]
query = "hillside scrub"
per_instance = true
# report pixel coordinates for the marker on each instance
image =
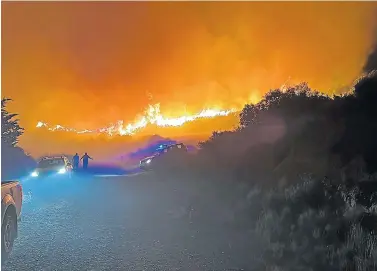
(294, 131)
(307, 167)
(317, 225)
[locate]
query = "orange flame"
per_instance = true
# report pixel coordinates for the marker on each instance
(151, 116)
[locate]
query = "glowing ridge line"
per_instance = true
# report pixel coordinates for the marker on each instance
(151, 116)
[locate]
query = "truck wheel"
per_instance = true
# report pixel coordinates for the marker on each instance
(8, 235)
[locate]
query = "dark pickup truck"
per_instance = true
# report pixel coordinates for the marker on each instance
(11, 203)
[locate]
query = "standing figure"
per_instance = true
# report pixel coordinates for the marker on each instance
(76, 161)
(85, 160)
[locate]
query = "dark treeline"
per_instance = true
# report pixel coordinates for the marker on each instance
(298, 131)
(308, 165)
(14, 161)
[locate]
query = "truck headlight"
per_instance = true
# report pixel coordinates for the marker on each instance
(62, 171)
(148, 161)
(34, 174)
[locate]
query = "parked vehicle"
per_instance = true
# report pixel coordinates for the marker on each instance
(11, 203)
(53, 166)
(166, 155)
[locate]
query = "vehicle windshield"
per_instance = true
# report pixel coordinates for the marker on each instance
(51, 163)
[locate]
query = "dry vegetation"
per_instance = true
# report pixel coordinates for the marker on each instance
(306, 164)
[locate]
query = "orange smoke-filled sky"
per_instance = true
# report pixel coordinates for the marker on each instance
(87, 64)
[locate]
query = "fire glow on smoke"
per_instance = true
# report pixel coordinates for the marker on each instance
(151, 116)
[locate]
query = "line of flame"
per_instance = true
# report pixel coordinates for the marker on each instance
(152, 115)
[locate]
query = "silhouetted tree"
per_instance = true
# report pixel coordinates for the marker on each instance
(248, 115)
(292, 102)
(14, 163)
(10, 128)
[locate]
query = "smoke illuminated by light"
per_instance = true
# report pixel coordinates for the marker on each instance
(152, 116)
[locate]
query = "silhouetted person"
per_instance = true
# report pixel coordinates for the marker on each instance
(76, 161)
(85, 160)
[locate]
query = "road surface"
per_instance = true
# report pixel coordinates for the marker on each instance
(133, 223)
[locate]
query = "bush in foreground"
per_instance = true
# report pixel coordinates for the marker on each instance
(318, 225)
